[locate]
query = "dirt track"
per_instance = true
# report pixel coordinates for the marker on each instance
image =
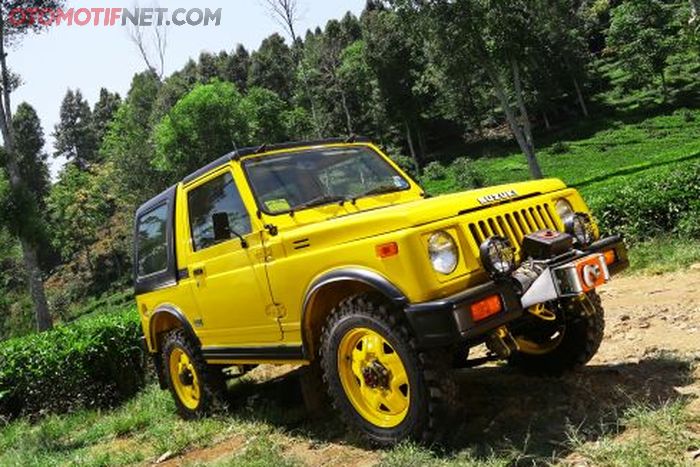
(648, 320)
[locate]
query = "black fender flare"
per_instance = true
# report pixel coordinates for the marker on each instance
(354, 274)
(172, 310)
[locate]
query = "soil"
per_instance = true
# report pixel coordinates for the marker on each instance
(651, 340)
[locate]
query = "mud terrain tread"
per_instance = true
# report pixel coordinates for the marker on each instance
(213, 383)
(583, 336)
(440, 389)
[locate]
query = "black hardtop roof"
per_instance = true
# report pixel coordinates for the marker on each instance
(238, 153)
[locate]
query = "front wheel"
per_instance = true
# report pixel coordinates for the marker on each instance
(562, 344)
(382, 385)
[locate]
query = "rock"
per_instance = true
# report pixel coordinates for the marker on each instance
(167, 455)
(644, 325)
(695, 267)
(625, 318)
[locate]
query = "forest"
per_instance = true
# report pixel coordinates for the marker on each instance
(460, 94)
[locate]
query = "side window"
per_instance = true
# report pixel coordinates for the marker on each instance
(152, 241)
(219, 195)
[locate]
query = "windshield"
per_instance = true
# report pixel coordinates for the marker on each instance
(303, 179)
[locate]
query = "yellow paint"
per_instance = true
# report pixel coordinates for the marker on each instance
(384, 404)
(184, 378)
(231, 302)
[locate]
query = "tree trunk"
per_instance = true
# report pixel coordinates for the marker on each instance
(579, 97)
(421, 144)
(533, 165)
(412, 148)
(664, 88)
(521, 105)
(36, 287)
(694, 12)
(546, 121)
(31, 264)
(348, 118)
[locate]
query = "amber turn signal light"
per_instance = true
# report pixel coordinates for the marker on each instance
(610, 257)
(486, 307)
(386, 250)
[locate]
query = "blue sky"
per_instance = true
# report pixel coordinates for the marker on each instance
(91, 57)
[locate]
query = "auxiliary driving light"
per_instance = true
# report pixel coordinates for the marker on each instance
(497, 256)
(581, 227)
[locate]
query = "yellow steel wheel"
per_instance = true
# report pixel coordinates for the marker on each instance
(541, 346)
(373, 377)
(184, 378)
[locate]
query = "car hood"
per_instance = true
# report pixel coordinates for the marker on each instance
(345, 227)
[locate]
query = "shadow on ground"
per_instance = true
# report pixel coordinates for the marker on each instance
(503, 408)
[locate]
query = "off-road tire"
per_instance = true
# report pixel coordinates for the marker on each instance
(433, 393)
(212, 386)
(584, 328)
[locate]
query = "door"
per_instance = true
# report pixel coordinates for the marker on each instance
(231, 296)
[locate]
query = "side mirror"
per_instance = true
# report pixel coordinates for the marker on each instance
(222, 229)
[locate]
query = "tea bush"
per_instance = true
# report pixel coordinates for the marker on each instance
(96, 361)
(660, 203)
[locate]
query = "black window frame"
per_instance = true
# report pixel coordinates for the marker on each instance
(193, 244)
(168, 276)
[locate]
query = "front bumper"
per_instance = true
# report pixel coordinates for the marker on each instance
(449, 320)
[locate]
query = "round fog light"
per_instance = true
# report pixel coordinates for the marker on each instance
(497, 256)
(580, 226)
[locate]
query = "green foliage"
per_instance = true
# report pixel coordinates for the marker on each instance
(559, 147)
(205, 124)
(29, 151)
(466, 175)
(93, 362)
(76, 136)
(103, 112)
(434, 171)
(661, 203)
(272, 67)
(641, 34)
(266, 116)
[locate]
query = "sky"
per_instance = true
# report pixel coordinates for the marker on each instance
(90, 57)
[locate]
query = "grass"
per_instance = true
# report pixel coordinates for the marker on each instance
(664, 255)
(596, 152)
(138, 432)
(642, 437)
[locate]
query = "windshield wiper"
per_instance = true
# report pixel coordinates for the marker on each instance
(378, 190)
(319, 200)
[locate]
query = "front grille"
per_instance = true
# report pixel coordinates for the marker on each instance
(515, 224)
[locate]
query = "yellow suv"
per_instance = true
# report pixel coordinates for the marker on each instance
(327, 254)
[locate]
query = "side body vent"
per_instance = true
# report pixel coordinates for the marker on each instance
(301, 243)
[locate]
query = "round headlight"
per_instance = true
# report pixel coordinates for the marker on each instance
(564, 209)
(443, 252)
(581, 227)
(497, 256)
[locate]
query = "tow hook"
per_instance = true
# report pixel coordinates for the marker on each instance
(501, 342)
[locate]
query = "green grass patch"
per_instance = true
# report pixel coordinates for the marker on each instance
(664, 254)
(643, 437)
(138, 432)
(595, 150)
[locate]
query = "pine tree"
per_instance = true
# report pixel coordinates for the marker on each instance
(75, 134)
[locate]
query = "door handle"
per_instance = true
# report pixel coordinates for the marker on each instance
(198, 271)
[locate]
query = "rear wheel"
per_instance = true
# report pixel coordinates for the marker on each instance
(382, 385)
(569, 340)
(196, 387)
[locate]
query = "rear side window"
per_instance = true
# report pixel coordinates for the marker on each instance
(152, 256)
(219, 195)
